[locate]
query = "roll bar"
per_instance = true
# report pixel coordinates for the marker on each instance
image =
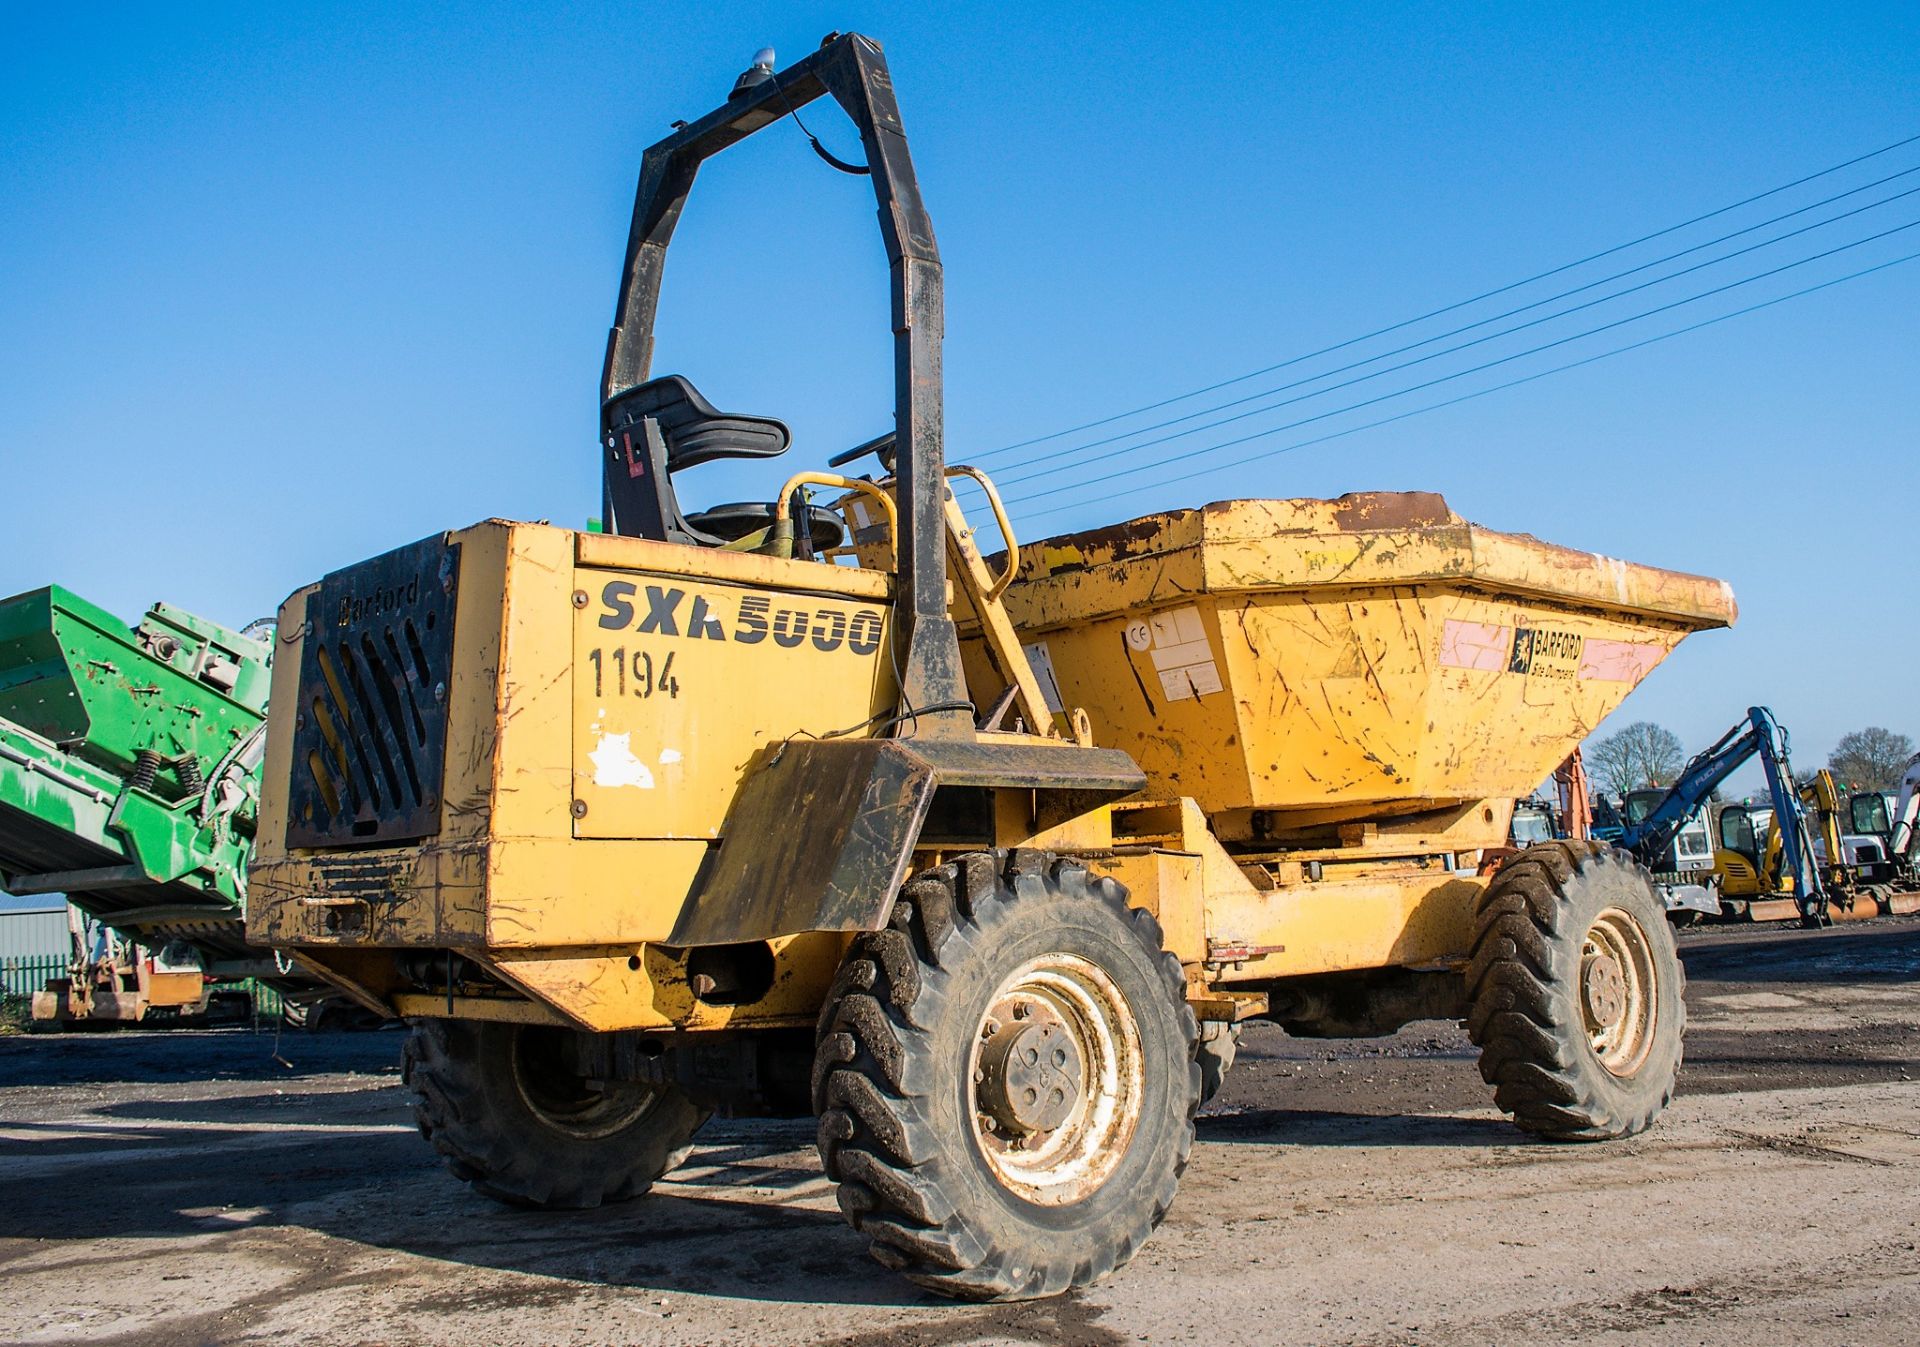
(852, 69)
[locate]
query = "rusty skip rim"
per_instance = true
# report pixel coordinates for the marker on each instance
(1475, 558)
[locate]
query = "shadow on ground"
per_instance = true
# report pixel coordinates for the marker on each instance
(741, 1221)
(190, 1056)
(1884, 951)
(752, 1218)
(1321, 1127)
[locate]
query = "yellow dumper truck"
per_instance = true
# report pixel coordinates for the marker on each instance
(809, 807)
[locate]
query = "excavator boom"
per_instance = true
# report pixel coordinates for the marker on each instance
(1762, 736)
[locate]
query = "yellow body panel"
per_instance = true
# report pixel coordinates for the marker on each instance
(1737, 876)
(662, 666)
(431, 893)
(648, 988)
(1408, 910)
(173, 989)
(516, 878)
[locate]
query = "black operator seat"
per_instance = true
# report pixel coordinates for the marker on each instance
(663, 426)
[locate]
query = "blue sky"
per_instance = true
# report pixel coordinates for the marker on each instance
(280, 289)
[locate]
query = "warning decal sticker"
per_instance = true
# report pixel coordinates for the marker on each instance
(1619, 661)
(1544, 653)
(1475, 645)
(1177, 644)
(1040, 659)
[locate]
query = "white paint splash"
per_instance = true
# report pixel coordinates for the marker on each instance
(614, 763)
(669, 756)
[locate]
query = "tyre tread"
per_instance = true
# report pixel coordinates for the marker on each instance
(1524, 958)
(478, 1151)
(875, 1131)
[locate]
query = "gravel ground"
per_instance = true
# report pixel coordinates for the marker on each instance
(186, 1188)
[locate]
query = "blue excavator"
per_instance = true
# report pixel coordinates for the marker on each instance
(1653, 828)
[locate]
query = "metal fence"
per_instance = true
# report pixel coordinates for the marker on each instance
(25, 974)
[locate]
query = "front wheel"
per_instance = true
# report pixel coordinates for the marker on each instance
(500, 1103)
(1575, 993)
(1006, 1079)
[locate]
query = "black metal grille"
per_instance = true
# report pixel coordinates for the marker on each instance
(370, 730)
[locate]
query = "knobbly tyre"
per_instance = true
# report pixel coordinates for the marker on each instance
(796, 807)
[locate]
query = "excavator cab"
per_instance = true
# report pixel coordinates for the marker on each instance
(1881, 838)
(1737, 834)
(1871, 812)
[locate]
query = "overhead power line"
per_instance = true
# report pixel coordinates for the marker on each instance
(1475, 369)
(1478, 393)
(1468, 345)
(1450, 308)
(1072, 451)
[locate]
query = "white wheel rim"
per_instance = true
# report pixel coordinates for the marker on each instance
(1070, 1006)
(1616, 991)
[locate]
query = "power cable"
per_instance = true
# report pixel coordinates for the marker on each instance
(1480, 393)
(1491, 364)
(1455, 349)
(1494, 318)
(1459, 304)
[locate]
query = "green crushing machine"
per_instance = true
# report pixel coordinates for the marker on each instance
(129, 774)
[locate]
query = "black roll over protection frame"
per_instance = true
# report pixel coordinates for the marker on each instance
(822, 832)
(853, 71)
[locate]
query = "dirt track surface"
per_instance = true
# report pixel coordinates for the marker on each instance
(185, 1189)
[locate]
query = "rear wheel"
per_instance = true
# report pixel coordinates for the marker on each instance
(500, 1103)
(1006, 1080)
(1575, 993)
(1218, 1045)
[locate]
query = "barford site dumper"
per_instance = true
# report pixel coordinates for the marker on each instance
(803, 807)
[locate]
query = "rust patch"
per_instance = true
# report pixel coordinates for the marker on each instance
(1112, 542)
(1381, 511)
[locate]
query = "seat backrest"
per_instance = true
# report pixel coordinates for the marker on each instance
(695, 432)
(659, 428)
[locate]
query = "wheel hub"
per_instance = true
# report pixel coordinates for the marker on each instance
(1055, 1082)
(1030, 1076)
(1605, 988)
(562, 1099)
